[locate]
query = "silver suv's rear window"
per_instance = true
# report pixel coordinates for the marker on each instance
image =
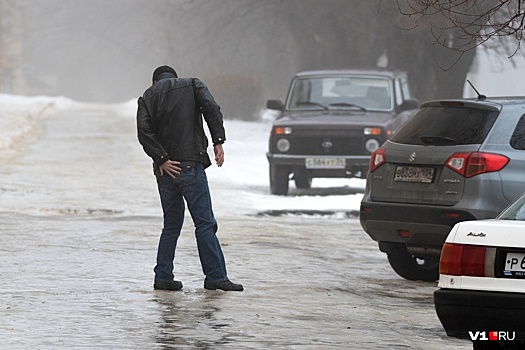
(446, 126)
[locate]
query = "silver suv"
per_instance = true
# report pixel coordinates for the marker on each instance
(454, 160)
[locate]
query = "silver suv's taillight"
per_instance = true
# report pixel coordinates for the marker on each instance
(377, 159)
(475, 163)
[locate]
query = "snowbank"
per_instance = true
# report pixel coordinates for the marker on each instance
(240, 187)
(245, 173)
(19, 115)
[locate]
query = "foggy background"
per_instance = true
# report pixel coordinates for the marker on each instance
(106, 51)
(246, 51)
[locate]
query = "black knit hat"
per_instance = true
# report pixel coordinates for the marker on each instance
(163, 69)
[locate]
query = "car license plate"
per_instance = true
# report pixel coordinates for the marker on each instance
(514, 264)
(414, 174)
(325, 163)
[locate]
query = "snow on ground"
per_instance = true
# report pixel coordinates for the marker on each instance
(243, 177)
(19, 117)
(246, 171)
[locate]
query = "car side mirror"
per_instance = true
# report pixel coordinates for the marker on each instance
(275, 104)
(409, 104)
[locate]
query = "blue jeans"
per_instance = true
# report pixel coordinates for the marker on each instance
(190, 185)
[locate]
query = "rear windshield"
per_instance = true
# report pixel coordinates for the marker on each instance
(446, 126)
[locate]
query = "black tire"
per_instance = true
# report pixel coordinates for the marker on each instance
(302, 181)
(279, 179)
(413, 268)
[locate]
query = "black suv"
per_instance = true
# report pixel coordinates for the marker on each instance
(331, 123)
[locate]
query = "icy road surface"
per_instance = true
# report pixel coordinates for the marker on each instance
(80, 219)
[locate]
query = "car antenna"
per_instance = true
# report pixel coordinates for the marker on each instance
(480, 96)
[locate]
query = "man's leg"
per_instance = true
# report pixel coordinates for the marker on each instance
(173, 208)
(194, 186)
(198, 198)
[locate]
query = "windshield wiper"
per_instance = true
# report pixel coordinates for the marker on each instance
(309, 103)
(437, 140)
(347, 104)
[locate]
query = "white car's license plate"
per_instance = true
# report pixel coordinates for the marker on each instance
(514, 264)
(414, 174)
(325, 163)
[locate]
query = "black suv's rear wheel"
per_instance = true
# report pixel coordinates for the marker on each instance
(279, 178)
(302, 180)
(411, 267)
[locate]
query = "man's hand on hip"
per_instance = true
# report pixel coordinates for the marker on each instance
(171, 168)
(219, 154)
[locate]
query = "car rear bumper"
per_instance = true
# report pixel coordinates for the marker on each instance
(461, 311)
(354, 164)
(408, 223)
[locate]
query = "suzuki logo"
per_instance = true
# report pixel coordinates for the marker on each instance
(327, 145)
(412, 157)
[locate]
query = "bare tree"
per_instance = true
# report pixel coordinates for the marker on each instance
(355, 34)
(11, 31)
(261, 44)
(495, 24)
(245, 50)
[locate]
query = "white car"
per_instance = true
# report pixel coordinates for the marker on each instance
(482, 281)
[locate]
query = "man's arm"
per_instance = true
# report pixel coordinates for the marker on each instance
(211, 112)
(170, 167)
(219, 154)
(151, 145)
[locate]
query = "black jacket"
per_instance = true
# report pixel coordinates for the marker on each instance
(169, 120)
